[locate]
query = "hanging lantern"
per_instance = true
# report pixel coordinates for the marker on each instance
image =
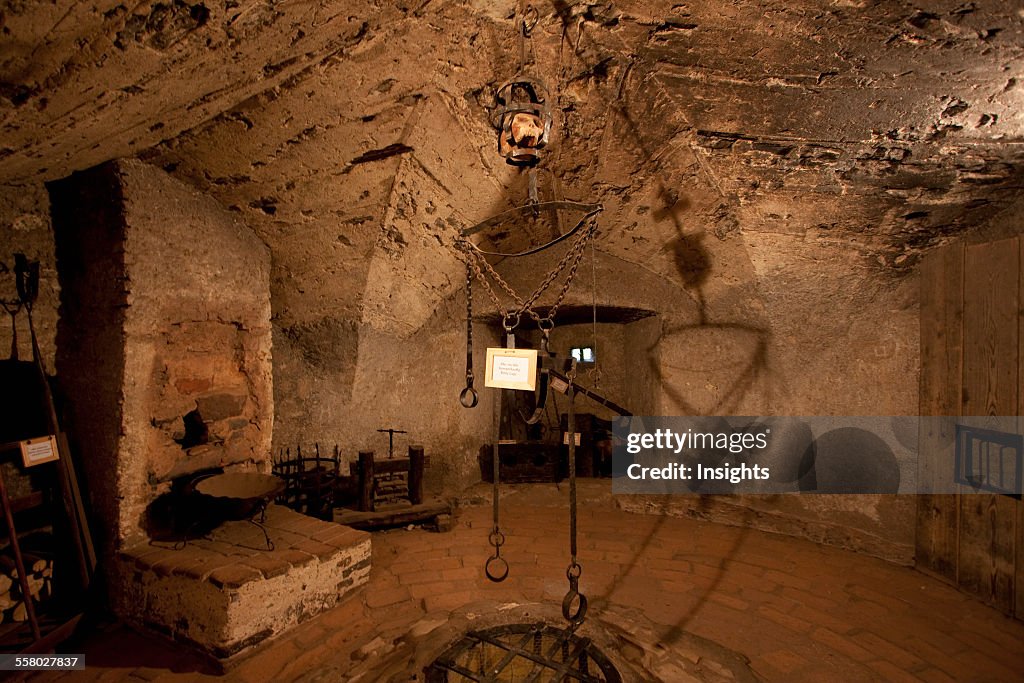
(523, 121)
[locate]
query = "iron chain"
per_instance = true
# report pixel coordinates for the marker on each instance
(485, 272)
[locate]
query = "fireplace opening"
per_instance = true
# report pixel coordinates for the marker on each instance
(196, 431)
(522, 652)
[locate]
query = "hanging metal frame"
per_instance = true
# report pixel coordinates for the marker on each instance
(521, 113)
(590, 212)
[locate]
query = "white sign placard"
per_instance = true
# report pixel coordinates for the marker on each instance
(38, 451)
(511, 369)
(558, 384)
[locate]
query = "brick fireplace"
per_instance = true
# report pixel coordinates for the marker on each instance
(165, 343)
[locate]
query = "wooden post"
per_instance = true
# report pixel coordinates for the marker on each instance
(366, 481)
(416, 459)
(19, 562)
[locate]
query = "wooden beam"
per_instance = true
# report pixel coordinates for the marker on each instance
(388, 518)
(366, 483)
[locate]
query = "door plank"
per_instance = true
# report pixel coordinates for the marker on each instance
(986, 561)
(1018, 583)
(941, 279)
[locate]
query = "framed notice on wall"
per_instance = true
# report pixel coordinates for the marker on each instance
(511, 369)
(38, 451)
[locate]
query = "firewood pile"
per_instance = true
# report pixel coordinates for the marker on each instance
(40, 579)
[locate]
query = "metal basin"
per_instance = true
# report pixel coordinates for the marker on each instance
(238, 495)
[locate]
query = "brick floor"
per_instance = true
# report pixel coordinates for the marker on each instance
(796, 610)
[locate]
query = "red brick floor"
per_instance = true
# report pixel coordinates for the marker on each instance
(798, 611)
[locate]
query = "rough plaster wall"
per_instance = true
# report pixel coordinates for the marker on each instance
(615, 371)
(640, 347)
(378, 380)
(1007, 223)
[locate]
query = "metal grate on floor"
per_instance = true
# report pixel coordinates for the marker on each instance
(522, 653)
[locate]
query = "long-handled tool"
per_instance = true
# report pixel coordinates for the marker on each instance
(27, 282)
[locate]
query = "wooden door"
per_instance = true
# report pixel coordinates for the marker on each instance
(972, 363)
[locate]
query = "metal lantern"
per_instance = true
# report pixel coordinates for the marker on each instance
(522, 119)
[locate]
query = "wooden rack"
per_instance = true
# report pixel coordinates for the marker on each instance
(311, 481)
(390, 493)
(39, 632)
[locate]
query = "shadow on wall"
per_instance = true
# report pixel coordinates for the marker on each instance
(694, 265)
(716, 345)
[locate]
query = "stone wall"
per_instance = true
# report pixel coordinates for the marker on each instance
(25, 229)
(164, 341)
(340, 383)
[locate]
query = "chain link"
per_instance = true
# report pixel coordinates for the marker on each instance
(485, 272)
(472, 262)
(469, 397)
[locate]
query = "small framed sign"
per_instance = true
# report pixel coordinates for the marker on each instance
(511, 369)
(38, 451)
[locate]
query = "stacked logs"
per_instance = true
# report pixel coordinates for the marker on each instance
(40, 582)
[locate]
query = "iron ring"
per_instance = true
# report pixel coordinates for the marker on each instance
(496, 538)
(501, 574)
(514, 317)
(573, 571)
(576, 617)
(546, 324)
(469, 398)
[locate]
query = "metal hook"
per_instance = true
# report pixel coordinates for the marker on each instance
(496, 575)
(574, 617)
(469, 397)
(496, 539)
(530, 18)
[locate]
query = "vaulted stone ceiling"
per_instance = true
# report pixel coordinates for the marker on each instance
(782, 146)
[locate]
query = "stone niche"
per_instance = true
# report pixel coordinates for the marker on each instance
(164, 356)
